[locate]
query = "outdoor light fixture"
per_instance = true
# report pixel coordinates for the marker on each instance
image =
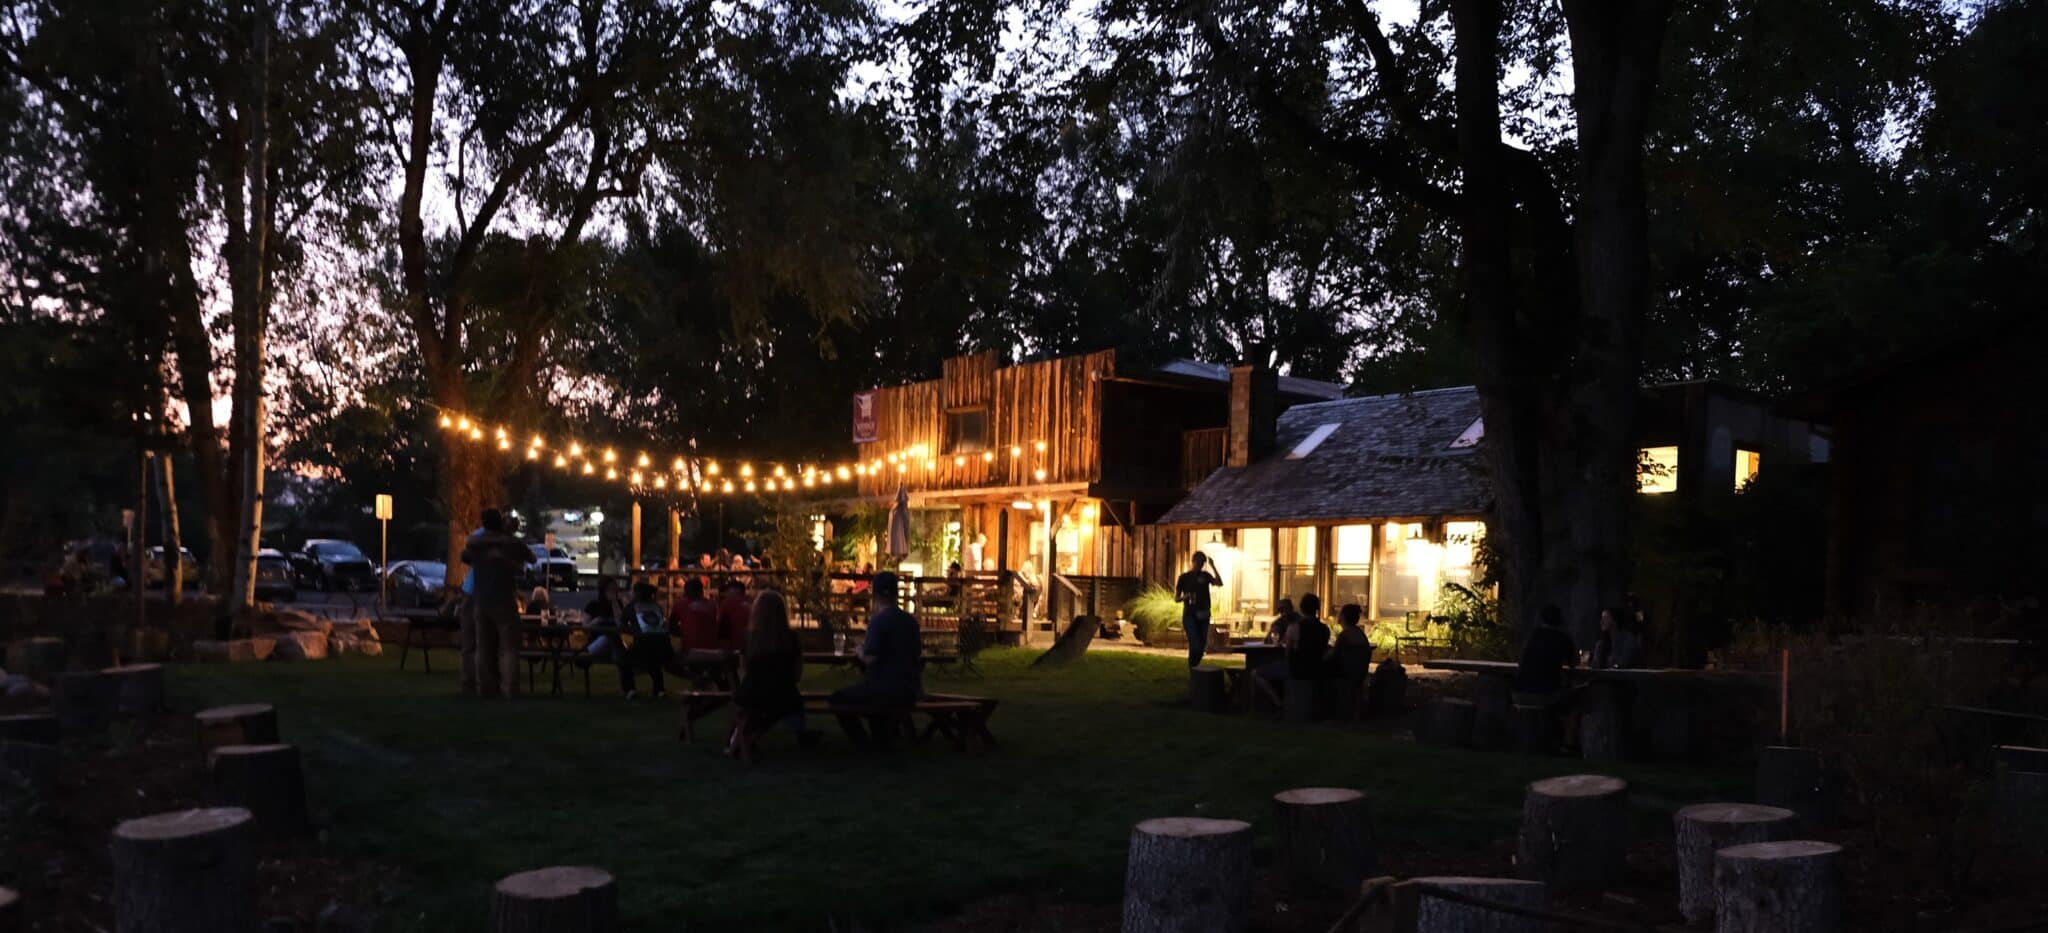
(561, 461)
(504, 444)
(532, 454)
(677, 466)
(463, 424)
(588, 469)
(536, 442)
(1038, 474)
(746, 470)
(476, 434)
(844, 473)
(575, 450)
(711, 469)
(644, 461)
(1016, 451)
(988, 456)
(661, 482)
(1040, 445)
(634, 478)
(931, 464)
(959, 461)
(750, 485)
(778, 469)
(728, 486)
(903, 468)
(1022, 505)
(610, 455)
(447, 422)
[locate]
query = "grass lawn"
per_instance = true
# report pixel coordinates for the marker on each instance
(460, 792)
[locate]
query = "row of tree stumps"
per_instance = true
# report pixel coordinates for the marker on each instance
(1740, 864)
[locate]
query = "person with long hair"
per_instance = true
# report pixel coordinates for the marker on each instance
(768, 692)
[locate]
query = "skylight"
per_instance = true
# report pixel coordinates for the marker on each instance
(1309, 444)
(1472, 435)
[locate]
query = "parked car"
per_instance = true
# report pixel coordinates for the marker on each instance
(326, 564)
(274, 577)
(155, 571)
(552, 567)
(416, 583)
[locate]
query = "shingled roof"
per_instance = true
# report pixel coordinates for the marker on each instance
(1388, 457)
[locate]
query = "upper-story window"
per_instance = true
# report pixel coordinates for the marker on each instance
(967, 431)
(1747, 462)
(1657, 470)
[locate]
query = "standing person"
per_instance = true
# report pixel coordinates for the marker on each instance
(891, 655)
(768, 692)
(1192, 592)
(650, 650)
(976, 549)
(498, 559)
(1027, 578)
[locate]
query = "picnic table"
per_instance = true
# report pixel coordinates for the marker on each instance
(1658, 702)
(1668, 676)
(852, 659)
(959, 718)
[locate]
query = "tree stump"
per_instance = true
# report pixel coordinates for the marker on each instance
(1777, 887)
(1300, 702)
(138, 688)
(43, 658)
(1797, 779)
(1706, 828)
(1326, 841)
(569, 899)
(1491, 703)
(242, 724)
(1575, 830)
(1188, 874)
(1445, 721)
(1602, 723)
(26, 767)
(40, 728)
(1416, 910)
(2023, 808)
(1206, 689)
(265, 780)
(2020, 758)
(191, 871)
(10, 910)
(84, 702)
(1532, 729)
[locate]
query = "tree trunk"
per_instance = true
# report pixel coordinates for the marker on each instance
(1603, 735)
(84, 701)
(1326, 840)
(573, 899)
(1778, 887)
(248, 249)
(1188, 874)
(38, 728)
(138, 688)
(265, 780)
(174, 539)
(245, 724)
(2023, 807)
(1706, 828)
(1416, 911)
(1575, 831)
(192, 871)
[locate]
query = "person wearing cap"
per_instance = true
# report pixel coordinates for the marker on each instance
(890, 655)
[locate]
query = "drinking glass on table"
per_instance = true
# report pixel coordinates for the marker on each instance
(838, 642)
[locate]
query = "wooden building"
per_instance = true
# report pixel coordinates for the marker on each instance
(1065, 464)
(1938, 501)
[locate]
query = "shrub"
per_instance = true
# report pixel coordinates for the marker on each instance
(1153, 611)
(1473, 617)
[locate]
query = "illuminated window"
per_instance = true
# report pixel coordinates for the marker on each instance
(1314, 440)
(1296, 550)
(1747, 462)
(967, 431)
(1351, 566)
(1657, 470)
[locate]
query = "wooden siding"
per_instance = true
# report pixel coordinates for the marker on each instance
(1202, 453)
(1149, 553)
(1057, 402)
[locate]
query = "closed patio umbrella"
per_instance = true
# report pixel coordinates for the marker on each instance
(899, 525)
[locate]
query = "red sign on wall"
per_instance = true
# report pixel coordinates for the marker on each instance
(865, 428)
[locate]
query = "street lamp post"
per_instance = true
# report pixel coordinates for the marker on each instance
(383, 552)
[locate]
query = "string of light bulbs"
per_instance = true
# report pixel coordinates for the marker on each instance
(696, 474)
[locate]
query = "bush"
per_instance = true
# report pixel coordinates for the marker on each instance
(1153, 611)
(1473, 617)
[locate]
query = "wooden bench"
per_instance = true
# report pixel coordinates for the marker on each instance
(960, 719)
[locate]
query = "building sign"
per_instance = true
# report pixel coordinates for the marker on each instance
(865, 428)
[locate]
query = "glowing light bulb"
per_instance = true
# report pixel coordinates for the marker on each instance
(447, 422)
(677, 465)
(778, 469)
(476, 434)
(988, 456)
(610, 473)
(588, 469)
(711, 469)
(661, 482)
(536, 442)
(532, 454)
(463, 424)
(728, 486)
(903, 468)
(1038, 474)
(959, 461)
(810, 481)
(575, 450)
(746, 470)
(931, 464)
(504, 444)
(750, 485)
(634, 477)
(610, 455)
(501, 434)
(644, 461)
(1040, 445)
(561, 461)
(844, 473)
(1016, 451)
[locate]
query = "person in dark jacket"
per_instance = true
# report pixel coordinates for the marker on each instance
(650, 651)
(768, 691)
(1540, 675)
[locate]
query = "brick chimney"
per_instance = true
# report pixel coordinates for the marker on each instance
(1254, 413)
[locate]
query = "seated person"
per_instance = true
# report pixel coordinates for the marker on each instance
(1283, 619)
(768, 693)
(538, 601)
(650, 650)
(1351, 651)
(733, 615)
(890, 653)
(696, 620)
(604, 611)
(1307, 641)
(1619, 645)
(1539, 678)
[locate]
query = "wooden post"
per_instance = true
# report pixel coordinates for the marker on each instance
(138, 688)
(265, 780)
(570, 899)
(1784, 696)
(1778, 887)
(1575, 830)
(636, 535)
(675, 538)
(190, 871)
(138, 556)
(1187, 874)
(244, 724)
(1416, 911)
(1706, 828)
(84, 702)
(1326, 841)
(1003, 538)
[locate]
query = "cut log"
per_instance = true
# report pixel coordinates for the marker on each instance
(41, 728)
(84, 702)
(26, 768)
(1797, 779)
(1206, 690)
(1188, 874)
(43, 658)
(147, 644)
(1300, 703)
(1326, 840)
(1575, 831)
(191, 871)
(2023, 808)
(138, 689)
(1777, 887)
(1706, 828)
(10, 911)
(1071, 644)
(301, 646)
(265, 780)
(1445, 721)
(242, 724)
(1416, 910)
(569, 899)
(1602, 723)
